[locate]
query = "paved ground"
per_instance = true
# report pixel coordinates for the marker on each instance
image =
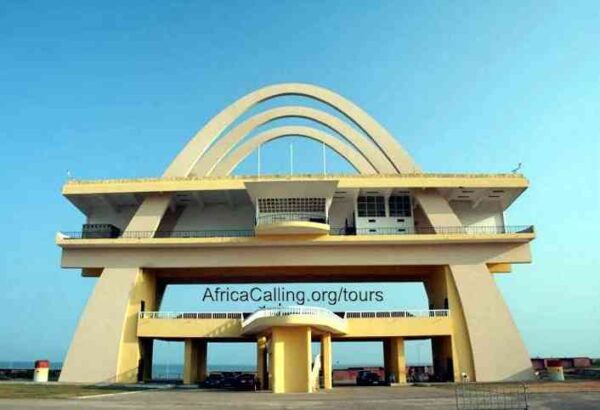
(346, 398)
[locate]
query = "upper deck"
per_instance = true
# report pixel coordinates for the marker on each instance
(516, 183)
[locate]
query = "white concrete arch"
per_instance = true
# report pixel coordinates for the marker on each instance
(355, 158)
(184, 163)
(225, 144)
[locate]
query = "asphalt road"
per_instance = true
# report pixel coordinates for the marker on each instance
(346, 398)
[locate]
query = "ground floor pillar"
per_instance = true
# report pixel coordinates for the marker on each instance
(326, 360)
(476, 306)
(443, 363)
(290, 364)
(261, 363)
(145, 363)
(105, 347)
(195, 361)
(394, 360)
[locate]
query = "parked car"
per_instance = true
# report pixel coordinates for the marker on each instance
(245, 382)
(213, 381)
(229, 380)
(367, 378)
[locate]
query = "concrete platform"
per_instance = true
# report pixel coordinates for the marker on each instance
(349, 398)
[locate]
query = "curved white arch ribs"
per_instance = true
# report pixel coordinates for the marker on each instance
(356, 158)
(184, 163)
(225, 144)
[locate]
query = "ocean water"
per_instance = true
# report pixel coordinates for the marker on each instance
(159, 370)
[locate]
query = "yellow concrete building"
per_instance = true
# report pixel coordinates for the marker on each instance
(391, 222)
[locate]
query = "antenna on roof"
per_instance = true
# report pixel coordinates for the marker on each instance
(291, 158)
(324, 160)
(258, 165)
(69, 176)
(514, 171)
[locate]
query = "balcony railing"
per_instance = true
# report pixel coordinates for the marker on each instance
(297, 310)
(190, 315)
(294, 311)
(211, 233)
(234, 233)
(397, 313)
(273, 218)
(437, 230)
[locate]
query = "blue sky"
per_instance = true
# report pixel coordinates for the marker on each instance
(115, 89)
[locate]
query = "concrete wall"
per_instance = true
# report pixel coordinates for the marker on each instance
(107, 215)
(340, 211)
(216, 217)
(487, 213)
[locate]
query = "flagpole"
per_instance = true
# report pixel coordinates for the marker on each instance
(258, 164)
(324, 161)
(291, 158)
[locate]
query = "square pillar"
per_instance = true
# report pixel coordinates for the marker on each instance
(326, 360)
(202, 360)
(398, 359)
(394, 360)
(146, 353)
(291, 359)
(194, 363)
(386, 359)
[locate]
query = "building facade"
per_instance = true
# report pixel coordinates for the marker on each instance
(390, 222)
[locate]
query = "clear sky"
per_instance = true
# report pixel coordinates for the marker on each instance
(115, 89)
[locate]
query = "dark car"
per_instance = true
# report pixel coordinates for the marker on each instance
(245, 382)
(367, 378)
(213, 381)
(229, 380)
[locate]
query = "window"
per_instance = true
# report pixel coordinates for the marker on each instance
(400, 205)
(275, 205)
(371, 206)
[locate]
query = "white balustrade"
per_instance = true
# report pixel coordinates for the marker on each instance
(294, 310)
(298, 310)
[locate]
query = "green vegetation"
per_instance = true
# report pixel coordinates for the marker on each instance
(55, 391)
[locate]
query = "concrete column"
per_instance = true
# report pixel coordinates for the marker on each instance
(326, 361)
(146, 352)
(386, 359)
(291, 359)
(190, 370)
(261, 363)
(398, 359)
(394, 359)
(201, 360)
(194, 363)
(443, 364)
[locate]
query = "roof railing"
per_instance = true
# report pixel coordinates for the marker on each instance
(296, 176)
(347, 231)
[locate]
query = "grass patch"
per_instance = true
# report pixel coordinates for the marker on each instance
(55, 391)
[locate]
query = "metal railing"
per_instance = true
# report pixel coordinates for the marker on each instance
(397, 313)
(339, 317)
(293, 311)
(491, 396)
(435, 230)
(243, 233)
(190, 315)
(271, 218)
(212, 233)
